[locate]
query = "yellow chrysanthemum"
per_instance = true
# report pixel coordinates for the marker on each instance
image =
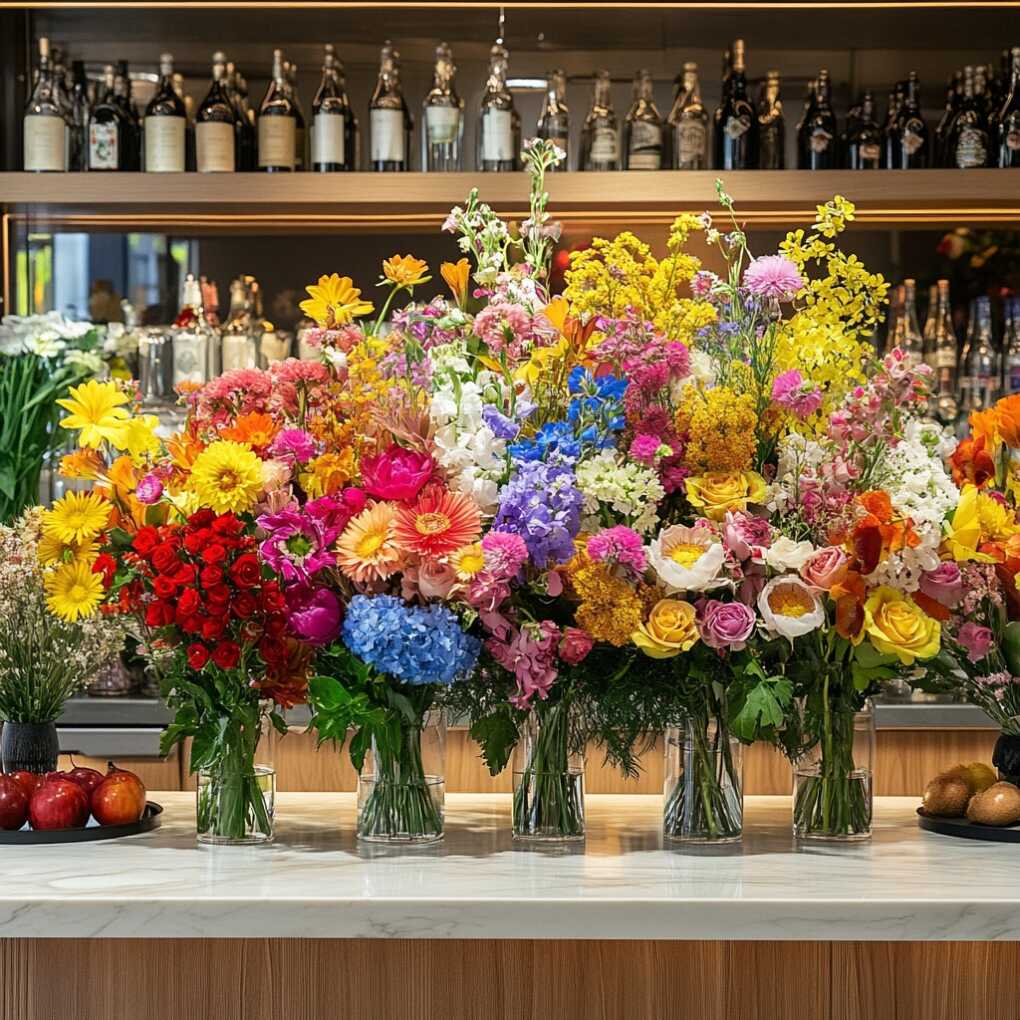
(226, 477)
(95, 412)
(73, 590)
(335, 301)
(77, 517)
(405, 270)
(52, 550)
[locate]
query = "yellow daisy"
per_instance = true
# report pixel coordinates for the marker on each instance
(335, 301)
(405, 270)
(73, 590)
(76, 518)
(138, 436)
(226, 477)
(52, 550)
(366, 551)
(468, 561)
(96, 412)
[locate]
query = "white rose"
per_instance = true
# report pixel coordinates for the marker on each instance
(786, 554)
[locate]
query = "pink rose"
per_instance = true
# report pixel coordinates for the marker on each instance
(977, 640)
(943, 584)
(746, 535)
(314, 614)
(575, 645)
(828, 566)
(396, 473)
(725, 624)
(435, 579)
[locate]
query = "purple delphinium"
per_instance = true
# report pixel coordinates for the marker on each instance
(502, 426)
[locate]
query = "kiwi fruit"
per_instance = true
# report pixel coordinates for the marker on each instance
(946, 796)
(977, 775)
(998, 805)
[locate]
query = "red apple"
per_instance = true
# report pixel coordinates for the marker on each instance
(119, 798)
(29, 781)
(88, 779)
(13, 803)
(58, 804)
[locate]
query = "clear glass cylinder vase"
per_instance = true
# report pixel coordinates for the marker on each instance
(704, 784)
(236, 807)
(548, 776)
(833, 785)
(402, 788)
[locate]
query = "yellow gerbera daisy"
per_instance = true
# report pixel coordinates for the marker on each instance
(468, 561)
(335, 301)
(366, 551)
(73, 590)
(51, 550)
(77, 517)
(405, 270)
(96, 412)
(226, 477)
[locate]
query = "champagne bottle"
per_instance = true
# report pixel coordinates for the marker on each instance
(642, 128)
(890, 140)
(600, 148)
(277, 127)
(499, 126)
(771, 126)
(945, 357)
(45, 131)
(954, 92)
(863, 141)
(108, 129)
(736, 133)
(688, 124)
(894, 319)
(290, 82)
(216, 126)
(931, 319)
(247, 135)
(969, 142)
(1007, 128)
(911, 147)
(389, 118)
(817, 137)
(442, 135)
(165, 124)
(554, 118)
(332, 150)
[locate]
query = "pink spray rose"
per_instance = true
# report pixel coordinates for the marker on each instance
(828, 566)
(435, 579)
(575, 646)
(725, 624)
(944, 584)
(396, 473)
(149, 490)
(745, 535)
(977, 640)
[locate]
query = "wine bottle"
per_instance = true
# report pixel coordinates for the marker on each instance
(1007, 127)
(499, 126)
(132, 118)
(982, 366)
(931, 320)
(1011, 347)
(189, 120)
(954, 91)
(290, 80)
(45, 131)
(816, 142)
(945, 357)
(276, 125)
(600, 149)
(771, 126)
(863, 141)
(890, 139)
(736, 130)
(909, 337)
(442, 135)
(642, 128)
(554, 118)
(894, 319)
(969, 141)
(389, 118)
(216, 127)
(247, 134)
(108, 129)
(165, 124)
(330, 111)
(688, 124)
(724, 92)
(78, 150)
(911, 148)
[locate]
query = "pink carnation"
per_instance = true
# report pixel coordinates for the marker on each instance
(505, 553)
(149, 490)
(773, 276)
(644, 448)
(293, 445)
(618, 545)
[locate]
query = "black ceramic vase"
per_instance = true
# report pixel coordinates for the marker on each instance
(1006, 757)
(32, 747)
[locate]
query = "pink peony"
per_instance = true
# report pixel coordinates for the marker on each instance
(773, 276)
(943, 584)
(977, 640)
(745, 535)
(149, 490)
(314, 614)
(725, 625)
(826, 567)
(575, 646)
(396, 473)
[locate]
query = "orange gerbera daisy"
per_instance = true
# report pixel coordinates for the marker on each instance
(439, 523)
(366, 550)
(255, 429)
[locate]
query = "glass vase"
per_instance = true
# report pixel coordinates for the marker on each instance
(402, 789)
(703, 788)
(548, 776)
(832, 782)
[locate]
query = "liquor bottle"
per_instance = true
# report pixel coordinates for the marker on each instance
(277, 128)
(79, 149)
(642, 128)
(771, 126)
(807, 112)
(442, 135)
(736, 130)
(290, 79)
(931, 319)
(600, 149)
(165, 124)
(688, 125)
(133, 137)
(908, 336)
(894, 320)
(499, 127)
(983, 367)
(45, 129)
(247, 138)
(195, 343)
(984, 87)
(944, 359)
(969, 142)
(389, 118)
(863, 141)
(216, 126)
(554, 118)
(108, 129)
(954, 91)
(1007, 127)
(724, 93)
(62, 97)
(240, 346)
(817, 139)
(911, 145)
(890, 140)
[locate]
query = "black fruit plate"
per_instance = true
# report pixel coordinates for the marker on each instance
(150, 820)
(964, 829)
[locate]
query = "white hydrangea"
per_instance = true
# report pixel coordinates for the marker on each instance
(630, 490)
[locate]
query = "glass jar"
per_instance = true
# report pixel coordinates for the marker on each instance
(236, 807)
(402, 789)
(548, 776)
(703, 788)
(832, 783)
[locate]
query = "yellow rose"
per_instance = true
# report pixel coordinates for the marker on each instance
(897, 626)
(669, 631)
(715, 492)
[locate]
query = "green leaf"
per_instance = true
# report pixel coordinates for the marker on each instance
(8, 482)
(496, 734)
(279, 723)
(762, 706)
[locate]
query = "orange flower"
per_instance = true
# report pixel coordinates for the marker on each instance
(439, 524)
(456, 275)
(971, 462)
(255, 429)
(877, 533)
(985, 424)
(849, 596)
(405, 270)
(1007, 414)
(366, 551)
(85, 464)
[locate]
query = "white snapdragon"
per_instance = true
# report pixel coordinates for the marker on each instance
(628, 489)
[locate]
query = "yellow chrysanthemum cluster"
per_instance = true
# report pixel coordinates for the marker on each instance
(721, 426)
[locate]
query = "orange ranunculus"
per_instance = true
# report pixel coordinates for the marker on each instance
(972, 462)
(255, 429)
(1007, 414)
(456, 275)
(849, 595)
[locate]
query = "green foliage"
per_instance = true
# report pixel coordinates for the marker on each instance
(496, 734)
(758, 703)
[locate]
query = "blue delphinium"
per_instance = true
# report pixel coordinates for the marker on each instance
(596, 410)
(416, 644)
(555, 443)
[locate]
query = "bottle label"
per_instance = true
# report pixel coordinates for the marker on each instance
(164, 144)
(189, 359)
(604, 145)
(945, 358)
(735, 127)
(871, 152)
(912, 139)
(387, 128)
(103, 147)
(327, 138)
(645, 146)
(690, 142)
(277, 141)
(819, 140)
(214, 147)
(442, 124)
(1013, 134)
(971, 148)
(238, 352)
(45, 142)
(497, 136)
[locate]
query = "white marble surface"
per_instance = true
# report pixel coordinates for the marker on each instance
(316, 881)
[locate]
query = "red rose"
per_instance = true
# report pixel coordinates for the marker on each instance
(185, 575)
(214, 553)
(189, 603)
(276, 626)
(273, 650)
(159, 614)
(164, 557)
(218, 596)
(197, 540)
(198, 656)
(272, 598)
(201, 518)
(164, 587)
(227, 524)
(246, 572)
(107, 566)
(213, 628)
(227, 654)
(211, 576)
(243, 605)
(145, 541)
(192, 624)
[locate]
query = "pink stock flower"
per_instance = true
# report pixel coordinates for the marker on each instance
(530, 655)
(149, 490)
(619, 544)
(702, 283)
(826, 567)
(725, 625)
(977, 640)
(944, 584)
(396, 473)
(773, 276)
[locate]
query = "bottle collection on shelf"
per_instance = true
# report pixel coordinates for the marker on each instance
(66, 130)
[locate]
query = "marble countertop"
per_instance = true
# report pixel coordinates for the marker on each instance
(316, 881)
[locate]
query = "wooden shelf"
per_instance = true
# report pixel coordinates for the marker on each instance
(308, 202)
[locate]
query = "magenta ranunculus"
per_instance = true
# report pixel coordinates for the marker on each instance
(725, 624)
(977, 640)
(396, 473)
(944, 584)
(314, 614)
(826, 567)
(575, 646)
(746, 535)
(149, 490)
(293, 445)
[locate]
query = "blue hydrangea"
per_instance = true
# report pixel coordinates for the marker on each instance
(415, 644)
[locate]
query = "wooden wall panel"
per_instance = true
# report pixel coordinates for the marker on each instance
(907, 759)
